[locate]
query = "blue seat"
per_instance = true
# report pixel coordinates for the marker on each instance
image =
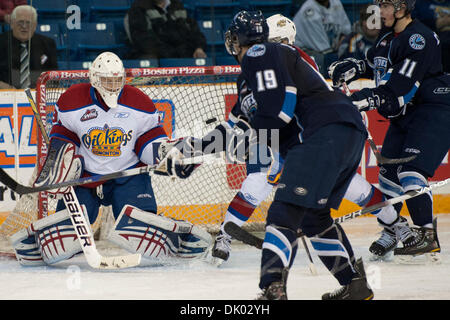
(183, 62)
(99, 10)
(145, 63)
(269, 7)
(206, 9)
(92, 39)
(50, 30)
(226, 61)
(213, 31)
(50, 11)
(74, 65)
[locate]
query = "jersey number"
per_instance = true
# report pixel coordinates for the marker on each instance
(407, 68)
(266, 80)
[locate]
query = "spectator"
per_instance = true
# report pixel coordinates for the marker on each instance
(362, 38)
(163, 29)
(321, 27)
(435, 14)
(7, 6)
(24, 54)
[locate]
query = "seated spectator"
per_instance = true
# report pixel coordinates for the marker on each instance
(25, 54)
(162, 29)
(436, 15)
(356, 44)
(7, 6)
(321, 27)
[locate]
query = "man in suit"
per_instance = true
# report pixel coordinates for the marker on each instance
(24, 53)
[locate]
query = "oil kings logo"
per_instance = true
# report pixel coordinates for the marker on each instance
(106, 141)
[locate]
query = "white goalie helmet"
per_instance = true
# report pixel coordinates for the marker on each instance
(281, 28)
(107, 76)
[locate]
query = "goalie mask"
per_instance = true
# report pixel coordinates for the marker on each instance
(281, 28)
(107, 76)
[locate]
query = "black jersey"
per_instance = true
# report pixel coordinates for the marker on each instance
(291, 95)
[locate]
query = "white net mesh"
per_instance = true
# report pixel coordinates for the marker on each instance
(192, 105)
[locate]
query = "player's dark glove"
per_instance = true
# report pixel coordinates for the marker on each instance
(381, 99)
(239, 141)
(346, 70)
(365, 100)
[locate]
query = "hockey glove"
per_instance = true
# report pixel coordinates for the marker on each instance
(380, 99)
(347, 70)
(61, 164)
(171, 152)
(365, 100)
(239, 141)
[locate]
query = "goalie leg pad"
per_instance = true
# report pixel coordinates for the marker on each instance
(26, 248)
(157, 236)
(57, 237)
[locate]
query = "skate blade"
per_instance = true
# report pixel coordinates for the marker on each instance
(425, 258)
(388, 257)
(208, 258)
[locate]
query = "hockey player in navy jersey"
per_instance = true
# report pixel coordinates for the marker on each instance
(413, 93)
(103, 127)
(261, 178)
(321, 137)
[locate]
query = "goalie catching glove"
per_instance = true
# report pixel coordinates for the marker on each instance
(62, 164)
(171, 152)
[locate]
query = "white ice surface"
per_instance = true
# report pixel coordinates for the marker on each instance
(236, 279)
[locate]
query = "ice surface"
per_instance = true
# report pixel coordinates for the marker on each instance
(236, 279)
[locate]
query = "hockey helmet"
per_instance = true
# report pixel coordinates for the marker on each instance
(107, 76)
(281, 28)
(398, 4)
(246, 28)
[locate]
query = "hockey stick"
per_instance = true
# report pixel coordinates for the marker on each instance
(82, 226)
(380, 159)
(244, 236)
(22, 189)
(37, 116)
(311, 265)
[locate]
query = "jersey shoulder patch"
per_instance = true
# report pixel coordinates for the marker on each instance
(134, 98)
(76, 97)
(417, 41)
(256, 50)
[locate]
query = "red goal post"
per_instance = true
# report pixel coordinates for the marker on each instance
(192, 101)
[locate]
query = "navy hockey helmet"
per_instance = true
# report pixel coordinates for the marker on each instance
(398, 4)
(246, 28)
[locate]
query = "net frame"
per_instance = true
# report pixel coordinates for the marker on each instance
(235, 174)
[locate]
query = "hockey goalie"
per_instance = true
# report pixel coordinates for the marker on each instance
(103, 127)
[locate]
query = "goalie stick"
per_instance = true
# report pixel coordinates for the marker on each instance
(22, 189)
(380, 158)
(244, 236)
(81, 225)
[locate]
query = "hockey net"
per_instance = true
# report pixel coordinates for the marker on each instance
(191, 101)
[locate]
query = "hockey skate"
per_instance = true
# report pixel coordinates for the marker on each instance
(382, 249)
(358, 289)
(276, 290)
(222, 247)
(425, 243)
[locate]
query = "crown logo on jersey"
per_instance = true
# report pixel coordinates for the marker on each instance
(106, 141)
